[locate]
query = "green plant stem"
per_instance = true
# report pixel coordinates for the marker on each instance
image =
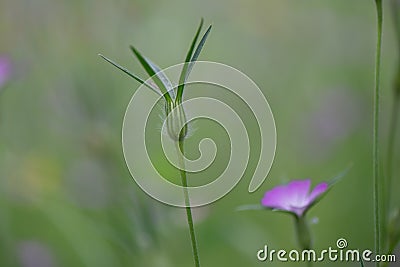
(390, 156)
(391, 144)
(180, 150)
(303, 235)
(376, 184)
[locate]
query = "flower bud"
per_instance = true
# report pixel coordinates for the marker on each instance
(176, 120)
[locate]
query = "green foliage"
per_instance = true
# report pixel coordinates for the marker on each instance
(191, 57)
(63, 180)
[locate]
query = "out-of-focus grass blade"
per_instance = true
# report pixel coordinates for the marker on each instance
(331, 183)
(129, 73)
(395, 8)
(361, 262)
(339, 177)
(66, 220)
(260, 207)
(149, 68)
(250, 207)
(188, 59)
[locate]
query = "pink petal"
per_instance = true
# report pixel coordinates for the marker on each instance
(298, 192)
(317, 191)
(294, 197)
(276, 198)
(288, 197)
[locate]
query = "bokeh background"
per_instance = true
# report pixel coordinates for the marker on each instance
(66, 196)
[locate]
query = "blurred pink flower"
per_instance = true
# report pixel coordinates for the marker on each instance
(34, 254)
(294, 197)
(338, 113)
(5, 70)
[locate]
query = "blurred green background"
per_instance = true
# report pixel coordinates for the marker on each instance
(66, 196)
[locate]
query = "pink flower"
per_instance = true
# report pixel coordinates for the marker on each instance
(5, 70)
(294, 197)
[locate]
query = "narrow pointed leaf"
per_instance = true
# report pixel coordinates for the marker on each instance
(331, 183)
(339, 176)
(189, 54)
(164, 79)
(149, 68)
(193, 44)
(201, 44)
(189, 57)
(198, 50)
(130, 74)
(251, 207)
(189, 66)
(260, 207)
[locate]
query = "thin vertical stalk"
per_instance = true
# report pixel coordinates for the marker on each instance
(376, 181)
(180, 151)
(392, 127)
(303, 235)
(395, 5)
(391, 144)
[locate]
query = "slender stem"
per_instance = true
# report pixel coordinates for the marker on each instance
(391, 144)
(187, 204)
(376, 183)
(303, 235)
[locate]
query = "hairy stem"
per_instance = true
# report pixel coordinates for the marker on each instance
(376, 183)
(180, 150)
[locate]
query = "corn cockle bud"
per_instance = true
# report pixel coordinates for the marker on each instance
(175, 120)
(175, 114)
